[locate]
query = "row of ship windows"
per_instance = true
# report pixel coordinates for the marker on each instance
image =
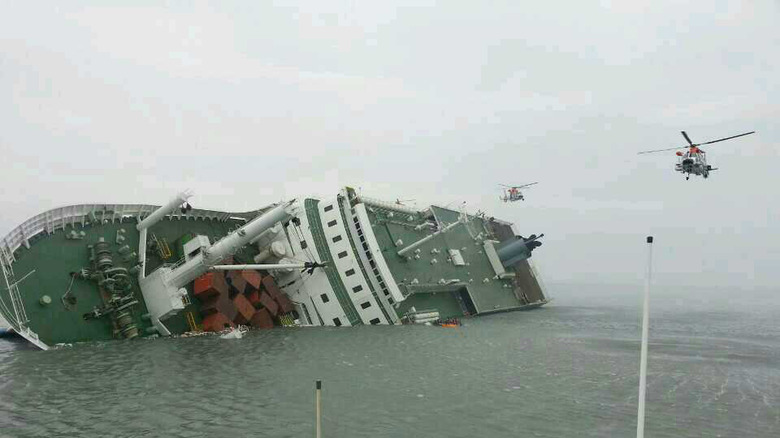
(371, 260)
(349, 272)
(337, 322)
(342, 254)
(325, 298)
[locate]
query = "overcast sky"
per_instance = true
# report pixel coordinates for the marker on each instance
(248, 104)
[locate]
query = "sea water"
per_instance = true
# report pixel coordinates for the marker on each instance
(569, 369)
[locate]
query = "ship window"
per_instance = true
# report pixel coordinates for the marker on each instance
(376, 272)
(328, 207)
(332, 223)
(362, 239)
(337, 322)
(304, 245)
(337, 238)
(342, 254)
(371, 262)
(366, 305)
(357, 288)
(349, 272)
(374, 321)
(365, 246)
(325, 298)
(354, 219)
(390, 301)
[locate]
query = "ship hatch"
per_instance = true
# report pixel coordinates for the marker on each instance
(466, 302)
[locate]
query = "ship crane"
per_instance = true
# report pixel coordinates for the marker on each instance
(163, 289)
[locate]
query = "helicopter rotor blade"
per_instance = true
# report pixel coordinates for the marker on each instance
(661, 150)
(686, 138)
(519, 187)
(728, 138)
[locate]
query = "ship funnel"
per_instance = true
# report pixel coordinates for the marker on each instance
(517, 249)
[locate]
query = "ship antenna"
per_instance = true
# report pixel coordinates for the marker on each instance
(640, 418)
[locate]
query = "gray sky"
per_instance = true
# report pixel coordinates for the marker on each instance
(248, 104)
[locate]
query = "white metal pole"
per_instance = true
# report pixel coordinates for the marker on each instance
(640, 419)
(160, 213)
(319, 408)
(427, 238)
(266, 267)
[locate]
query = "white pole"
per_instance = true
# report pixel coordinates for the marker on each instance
(427, 238)
(266, 267)
(640, 419)
(160, 213)
(319, 408)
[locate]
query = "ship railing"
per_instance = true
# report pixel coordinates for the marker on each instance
(176, 264)
(82, 214)
(16, 314)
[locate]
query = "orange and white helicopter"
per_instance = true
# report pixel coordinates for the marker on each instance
(512, 193)
(694, 160)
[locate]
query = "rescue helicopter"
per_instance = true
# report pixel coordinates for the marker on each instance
(512, 193)
(694, 160)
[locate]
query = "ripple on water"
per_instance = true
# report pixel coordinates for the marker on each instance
(553, 372)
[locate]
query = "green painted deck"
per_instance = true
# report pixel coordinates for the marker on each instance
(53, 257)
(487, 297)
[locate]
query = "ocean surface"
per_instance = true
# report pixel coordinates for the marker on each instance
(567, 370)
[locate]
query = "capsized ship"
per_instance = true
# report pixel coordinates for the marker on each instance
(123, 271)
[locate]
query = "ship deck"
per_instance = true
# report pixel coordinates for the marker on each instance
(490, 296)
(46, 266)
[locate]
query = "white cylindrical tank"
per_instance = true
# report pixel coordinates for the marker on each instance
(424, 320)
(275, 251)
(425, 315)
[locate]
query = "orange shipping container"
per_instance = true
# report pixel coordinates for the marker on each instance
(261, 319)
(209, 285)
(244, 308)
(252, 278)
(216, 322)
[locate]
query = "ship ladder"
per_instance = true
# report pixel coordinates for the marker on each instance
(287, 321)
(191, 322)
(164, 249)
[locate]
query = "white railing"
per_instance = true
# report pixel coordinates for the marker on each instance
(16, 315)
(58, 218)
